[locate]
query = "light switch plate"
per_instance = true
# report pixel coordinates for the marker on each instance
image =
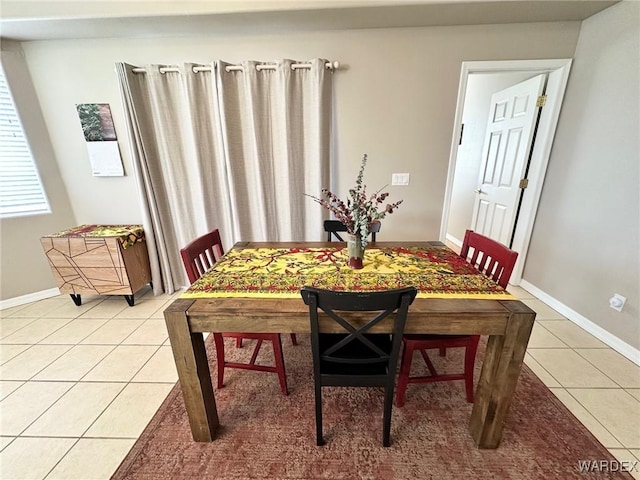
(401, 179)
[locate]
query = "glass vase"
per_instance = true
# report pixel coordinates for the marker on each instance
(355, 251)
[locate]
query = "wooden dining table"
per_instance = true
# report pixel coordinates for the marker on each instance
(216, 304)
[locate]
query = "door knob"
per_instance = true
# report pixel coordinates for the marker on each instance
(477, 190)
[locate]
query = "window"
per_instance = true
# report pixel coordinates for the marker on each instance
(21, 191)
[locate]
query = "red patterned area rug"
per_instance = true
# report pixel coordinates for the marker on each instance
(269, 436)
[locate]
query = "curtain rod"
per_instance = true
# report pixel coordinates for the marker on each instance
(238, 68)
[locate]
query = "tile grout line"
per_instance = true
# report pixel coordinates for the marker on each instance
(592, 416)
(601, 371)
(598, 421)
(61, 458)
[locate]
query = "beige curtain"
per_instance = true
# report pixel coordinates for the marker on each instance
(233, 150)
(276, 126)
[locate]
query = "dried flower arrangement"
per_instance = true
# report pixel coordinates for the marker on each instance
(360, 211)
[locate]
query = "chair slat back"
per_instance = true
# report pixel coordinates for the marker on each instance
(492, 258)
(381, 304)
(335, 227)
(201, 254)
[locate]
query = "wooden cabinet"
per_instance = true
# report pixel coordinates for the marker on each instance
(99, 259)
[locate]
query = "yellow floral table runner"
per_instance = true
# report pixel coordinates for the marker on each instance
(128, 235)
(436, 272)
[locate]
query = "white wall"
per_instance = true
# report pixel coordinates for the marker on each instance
(395, 99)
(586, 244)
(24, 267)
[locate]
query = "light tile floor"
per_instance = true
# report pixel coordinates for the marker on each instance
(79, 384)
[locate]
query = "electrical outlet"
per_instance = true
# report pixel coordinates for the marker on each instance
(617, 302)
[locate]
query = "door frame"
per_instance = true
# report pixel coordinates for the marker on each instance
(558, 75)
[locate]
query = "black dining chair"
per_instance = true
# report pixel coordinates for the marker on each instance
(344, 354)
(335, 227)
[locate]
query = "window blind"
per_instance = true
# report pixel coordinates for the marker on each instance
(21, 191)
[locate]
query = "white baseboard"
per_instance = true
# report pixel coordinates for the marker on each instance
(454, 240)
(597, 331)
(32, 297)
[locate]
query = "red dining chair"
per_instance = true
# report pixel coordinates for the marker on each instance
(496, 261)
(198, 257)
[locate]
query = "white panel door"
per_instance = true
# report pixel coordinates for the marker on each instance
(508, 140)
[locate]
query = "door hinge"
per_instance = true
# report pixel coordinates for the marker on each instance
(461, 132)
(542, 101)
(524, 183)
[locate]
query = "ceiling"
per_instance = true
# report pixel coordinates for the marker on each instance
(26, 20)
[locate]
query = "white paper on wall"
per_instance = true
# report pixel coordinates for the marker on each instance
(100, 135)
(105, 159)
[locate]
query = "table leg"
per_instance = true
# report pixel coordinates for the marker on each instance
(499, 376)
(193, 371)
